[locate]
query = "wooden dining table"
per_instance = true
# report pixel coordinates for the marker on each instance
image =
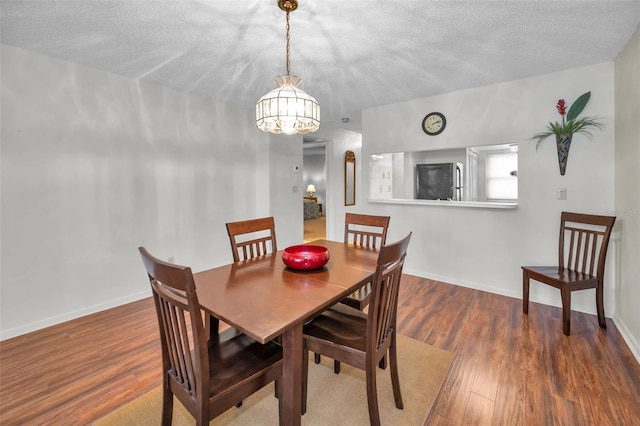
(264, 299)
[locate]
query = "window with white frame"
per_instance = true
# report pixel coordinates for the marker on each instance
(502, 176)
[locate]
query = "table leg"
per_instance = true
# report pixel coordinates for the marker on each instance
(211, 326)
(292, 376)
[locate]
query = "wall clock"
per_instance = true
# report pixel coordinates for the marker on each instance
(434, 123)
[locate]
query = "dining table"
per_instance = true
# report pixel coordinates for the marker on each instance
(264, 299)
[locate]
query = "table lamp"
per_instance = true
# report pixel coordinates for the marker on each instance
(311, 189)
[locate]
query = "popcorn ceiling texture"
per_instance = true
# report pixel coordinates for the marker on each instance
(350, 55)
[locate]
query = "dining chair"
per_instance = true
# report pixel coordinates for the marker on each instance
(252, 238)
(365, 231)
(208, 376)
(362, 340)
(582, 251)
(249, 238)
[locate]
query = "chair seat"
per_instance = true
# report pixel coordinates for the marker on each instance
(341, 324)
(235, 357)
(558, 276)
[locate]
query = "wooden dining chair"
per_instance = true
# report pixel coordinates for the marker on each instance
(364, 231)
(582, 251)
(252, 238)
(207, 376)
(362, 340)
(249, 239)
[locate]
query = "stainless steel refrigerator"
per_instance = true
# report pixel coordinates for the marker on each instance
(439, 181)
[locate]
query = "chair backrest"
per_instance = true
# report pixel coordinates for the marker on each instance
(252, 238)
(366, 230)
(384, 292)
(583, 242)
(185, 359)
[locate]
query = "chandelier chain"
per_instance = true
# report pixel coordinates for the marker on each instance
(288, 42)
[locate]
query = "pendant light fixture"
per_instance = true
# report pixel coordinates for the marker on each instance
(288, 109)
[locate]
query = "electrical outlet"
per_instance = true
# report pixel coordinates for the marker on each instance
(171, 259)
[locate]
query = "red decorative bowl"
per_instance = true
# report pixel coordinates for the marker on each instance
(305, 257)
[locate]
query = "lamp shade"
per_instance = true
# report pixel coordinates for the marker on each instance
(287, 109)
(311, 189)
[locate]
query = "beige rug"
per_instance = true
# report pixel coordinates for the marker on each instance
(422, 371)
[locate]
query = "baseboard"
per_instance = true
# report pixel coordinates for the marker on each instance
(67, 316)
(463, 283)
(517, 294)
(631, 342)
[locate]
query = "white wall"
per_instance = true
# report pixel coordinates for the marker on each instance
(284, 201)
(485, 248)
(95, 165)
(627, 193)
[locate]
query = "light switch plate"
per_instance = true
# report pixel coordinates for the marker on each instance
(562, 193)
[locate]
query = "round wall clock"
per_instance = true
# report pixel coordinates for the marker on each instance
(434, 123)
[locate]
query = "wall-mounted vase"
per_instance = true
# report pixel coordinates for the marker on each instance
(563, 143)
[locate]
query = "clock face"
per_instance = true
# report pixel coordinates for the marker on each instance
(434, 123)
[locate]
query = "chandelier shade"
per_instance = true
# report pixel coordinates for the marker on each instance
(288, 109)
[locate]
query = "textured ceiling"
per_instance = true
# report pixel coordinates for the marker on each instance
(350, 54)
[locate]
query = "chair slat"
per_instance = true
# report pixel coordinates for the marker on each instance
(594, 248)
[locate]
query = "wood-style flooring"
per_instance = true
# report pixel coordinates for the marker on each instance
(315, 229)
(509, 369)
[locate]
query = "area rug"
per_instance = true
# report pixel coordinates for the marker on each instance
(422, 368)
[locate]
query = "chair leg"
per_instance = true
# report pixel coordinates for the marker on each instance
(316, 358)
(167, 404)
(202, 417)
(280, 401)
(383, 363)
(525, 292)
(566, 310)
(336, 367)
(600, 305)
(305, 379)
(372, 395)
(395, 378)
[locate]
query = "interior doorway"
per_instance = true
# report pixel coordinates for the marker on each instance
(314, 169)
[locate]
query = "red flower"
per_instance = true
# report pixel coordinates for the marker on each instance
(562, 109)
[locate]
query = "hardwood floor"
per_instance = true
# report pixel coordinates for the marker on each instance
(509, 369)
(315, 229)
